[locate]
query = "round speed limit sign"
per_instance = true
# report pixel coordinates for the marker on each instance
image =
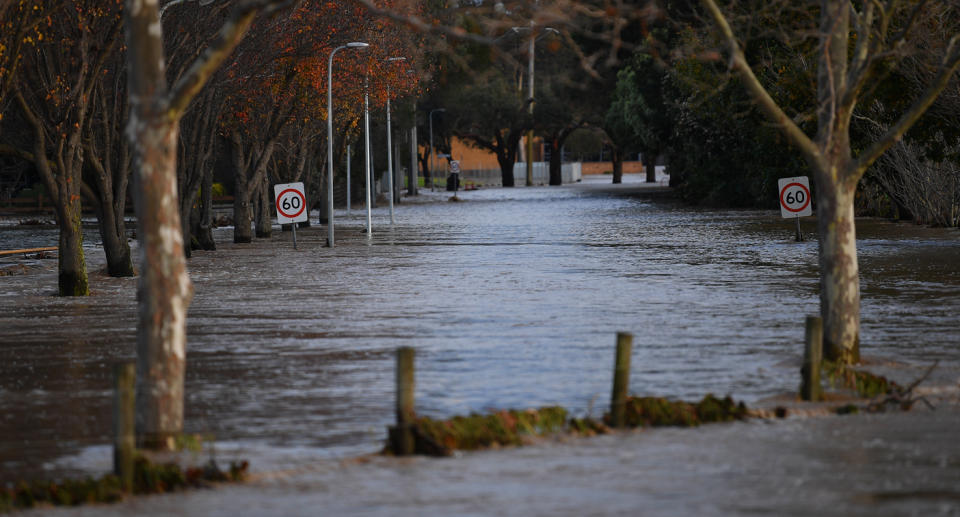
(795, 198)
(291, 203)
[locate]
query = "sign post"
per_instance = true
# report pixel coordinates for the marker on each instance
(291, 205)
(455, 175)
(795, 200)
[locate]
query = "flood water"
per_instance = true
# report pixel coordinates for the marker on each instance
(511, 297)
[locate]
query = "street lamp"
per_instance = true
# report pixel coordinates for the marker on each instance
(389, 144)
(366, 148)
(430, 118)
(352, 44)
(530, 52)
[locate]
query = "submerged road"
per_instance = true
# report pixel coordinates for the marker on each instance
(511, 298)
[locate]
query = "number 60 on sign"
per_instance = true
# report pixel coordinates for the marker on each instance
(291, 203)
(795, 198)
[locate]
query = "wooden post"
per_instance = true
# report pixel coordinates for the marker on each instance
(621, 379)
(812, 356)
(124, 379)
(403, 443)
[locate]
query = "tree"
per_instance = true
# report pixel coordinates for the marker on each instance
(277, 85)
(165, 290)
(639, 107)
(54, 90)
(107, 165)
(488, 114)
(562, 106)
(857, 43)
(188, 28)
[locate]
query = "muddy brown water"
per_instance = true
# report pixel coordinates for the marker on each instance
(511, 298)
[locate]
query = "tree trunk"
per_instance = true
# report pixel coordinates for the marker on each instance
(242, 211)
(397, 173)
(205, 229)
(425, 165)
(616, 159)
(106, 171)
(839, 275)
(506, 170)
(556, 162)
(264, 224)
(190, 192)
(72, 267)
(412, 173)
(650, 166)
(164, 290)
(113, 234)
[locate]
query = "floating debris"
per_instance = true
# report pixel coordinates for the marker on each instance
(16, 269)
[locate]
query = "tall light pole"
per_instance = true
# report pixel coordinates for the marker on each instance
(348, 178)
(366, 148)
(531, 51)
(389, 144)
(413, 177)
(352, 44)
(430, 118)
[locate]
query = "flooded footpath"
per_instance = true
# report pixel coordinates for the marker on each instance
(511, 298)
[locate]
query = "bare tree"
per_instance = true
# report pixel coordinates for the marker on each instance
(856, 42)
(929, 189)
(165, 290)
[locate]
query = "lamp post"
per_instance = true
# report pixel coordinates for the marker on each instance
(348, 178)
(413, 176)
(366, 149)
(430, 118)
(531, 51)
(389, 144)
(533, 39)
(352, 44)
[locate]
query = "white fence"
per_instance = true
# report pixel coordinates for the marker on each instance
(569, 173)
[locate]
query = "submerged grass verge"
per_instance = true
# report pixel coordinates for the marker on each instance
(865, 384)
(658, 411)
(515, 427)
(503, 428)
(148, 478)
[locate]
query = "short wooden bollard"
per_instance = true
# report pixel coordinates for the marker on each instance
(124, 378)
(402, 436)
(621, 379)
(812, 357)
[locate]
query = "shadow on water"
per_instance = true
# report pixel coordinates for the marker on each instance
(511, 297)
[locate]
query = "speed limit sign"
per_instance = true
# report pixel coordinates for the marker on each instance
(795, 198)
(291, 203)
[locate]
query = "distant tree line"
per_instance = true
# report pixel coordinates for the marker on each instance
(665, 92)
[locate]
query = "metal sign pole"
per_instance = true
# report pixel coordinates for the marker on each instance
(295, 235)
(799, 235)
(348, 178)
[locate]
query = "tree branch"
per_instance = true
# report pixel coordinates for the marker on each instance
(229, 37)
(738, 63)
(948, 68)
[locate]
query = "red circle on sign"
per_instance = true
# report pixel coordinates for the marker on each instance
(784, 191)
(303, 203)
